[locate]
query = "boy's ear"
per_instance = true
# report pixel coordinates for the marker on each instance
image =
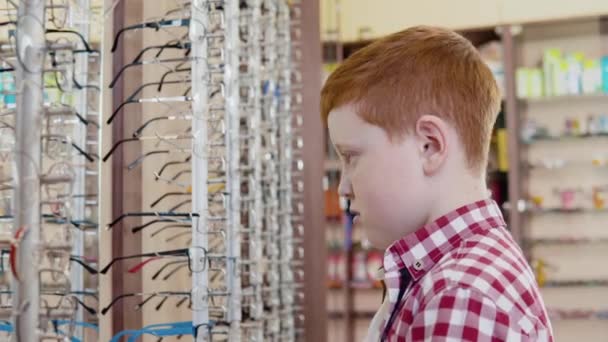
(431, 132)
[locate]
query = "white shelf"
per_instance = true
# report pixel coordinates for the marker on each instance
(564, 98)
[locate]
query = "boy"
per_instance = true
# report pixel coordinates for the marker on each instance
(411, 117)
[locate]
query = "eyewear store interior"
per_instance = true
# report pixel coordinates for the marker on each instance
(163, 174)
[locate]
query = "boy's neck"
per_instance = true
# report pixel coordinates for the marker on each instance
(457, 193)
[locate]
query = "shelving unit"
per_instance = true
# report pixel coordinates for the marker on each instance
(560, 177)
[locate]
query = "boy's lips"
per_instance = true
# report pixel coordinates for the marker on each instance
(355, 214)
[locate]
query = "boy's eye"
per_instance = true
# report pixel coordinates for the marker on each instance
(348, 158)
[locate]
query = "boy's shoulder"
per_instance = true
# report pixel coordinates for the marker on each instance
(492, 264)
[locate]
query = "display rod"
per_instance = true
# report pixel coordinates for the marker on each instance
(271, 170)
(285, 165)
(31, 53)
(81, 69)
(233, 234)
(200, 77)
(251, 172)
(296, 145)
(256, 254)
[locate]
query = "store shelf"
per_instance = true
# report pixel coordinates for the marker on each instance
(563, 98)
(581, 137)
(566, 240)
(560, 314)
(575, 283)
(562, 164)
(565, 211)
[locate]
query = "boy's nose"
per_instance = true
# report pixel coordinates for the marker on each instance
(345, 188)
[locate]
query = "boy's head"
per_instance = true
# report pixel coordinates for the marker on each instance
(411, 117)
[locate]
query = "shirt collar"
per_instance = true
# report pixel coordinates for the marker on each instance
(419, 251)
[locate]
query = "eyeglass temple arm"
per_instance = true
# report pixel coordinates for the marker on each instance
(162, 169)
(169, 72)
(160, 304)
(115, 146)
(88, 156)
(139, 56)
(147, 224)
(173, 271)
(180, 204)
(115, 300)
(176, 236)
(179, 173)
(143, 86)
(167, 195)
(143, 302)
(138, 131)
(128, 28)
(141, 158)
(127, 257)
(165, 266)
(131, 98)
(86, 266)
(84, 41)
(168, 227)
(154, 24)
(86, 293)
(142, 214)
(185, 45)
(173, 252)
(86, 86)
(141, 265)
(124, 103)
(174, 44)
(89, 309)
(120, 72)
(181, 301)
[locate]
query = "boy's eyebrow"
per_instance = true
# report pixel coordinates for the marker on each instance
(341, 148)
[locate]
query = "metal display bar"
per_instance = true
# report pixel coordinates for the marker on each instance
(233, 185)
(271, 169)
(81, 69)
(285, 167)
(200, 76)
(296, 144)
(31, 55)
(251, 173)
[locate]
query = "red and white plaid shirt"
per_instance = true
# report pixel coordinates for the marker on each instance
(469, 282)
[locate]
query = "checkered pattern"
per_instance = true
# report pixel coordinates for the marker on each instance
(470, 282)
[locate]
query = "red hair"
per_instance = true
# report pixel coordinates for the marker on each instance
(421, 70)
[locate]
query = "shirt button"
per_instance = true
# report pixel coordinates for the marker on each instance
(418, 265)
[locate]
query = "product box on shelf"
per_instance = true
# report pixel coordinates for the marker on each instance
(604, 64)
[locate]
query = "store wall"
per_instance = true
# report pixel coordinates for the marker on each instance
(361, 19)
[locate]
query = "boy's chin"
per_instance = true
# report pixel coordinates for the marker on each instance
(375, 241)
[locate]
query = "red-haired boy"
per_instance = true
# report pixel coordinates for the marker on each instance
(411, 116)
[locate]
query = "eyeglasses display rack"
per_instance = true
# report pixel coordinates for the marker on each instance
(218, 154)
(49, 170)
